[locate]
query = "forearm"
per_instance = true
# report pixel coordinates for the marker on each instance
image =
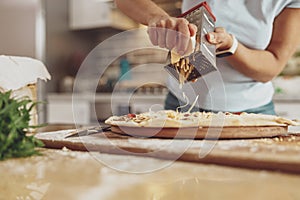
(260, 65)
(264, 65)
(140, 10)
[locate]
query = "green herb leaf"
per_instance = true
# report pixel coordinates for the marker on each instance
(15, 117)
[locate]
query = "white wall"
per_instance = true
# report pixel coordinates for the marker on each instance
(17, 27)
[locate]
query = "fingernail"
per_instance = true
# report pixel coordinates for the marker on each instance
(181, 53)
(211, 37)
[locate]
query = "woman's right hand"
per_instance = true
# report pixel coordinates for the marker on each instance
(172, 33)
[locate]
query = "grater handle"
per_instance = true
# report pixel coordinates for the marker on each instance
(204, 4)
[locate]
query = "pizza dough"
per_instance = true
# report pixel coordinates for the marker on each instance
(173, 119)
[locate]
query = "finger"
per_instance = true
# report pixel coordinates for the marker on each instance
(193, 29)
(212, 38)
(218, 46)
(171, 34)
(224, 38)
(153, 34)
(190, 48)
(220, 30)
(217, 36)
(161, 34)
(183, 36)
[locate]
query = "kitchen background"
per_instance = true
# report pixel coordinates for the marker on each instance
(61, 33)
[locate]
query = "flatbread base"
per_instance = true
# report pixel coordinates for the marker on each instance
(203, 132)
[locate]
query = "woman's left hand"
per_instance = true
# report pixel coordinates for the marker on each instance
(221, 38)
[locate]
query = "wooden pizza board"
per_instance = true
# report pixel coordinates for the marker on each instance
(277, 153)
(203, 132)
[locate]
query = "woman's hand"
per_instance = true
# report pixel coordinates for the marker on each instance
(164, 31)
(220, 38)
(171, 33)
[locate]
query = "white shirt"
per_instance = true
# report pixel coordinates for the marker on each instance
(251, 21)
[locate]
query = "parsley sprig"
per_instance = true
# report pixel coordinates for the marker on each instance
(14, 123)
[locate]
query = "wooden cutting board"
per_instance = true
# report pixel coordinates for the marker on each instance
(203, 132)
(278, 153)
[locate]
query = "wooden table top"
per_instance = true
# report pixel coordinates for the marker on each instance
(66, 174)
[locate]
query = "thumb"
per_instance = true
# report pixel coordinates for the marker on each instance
(193, 29)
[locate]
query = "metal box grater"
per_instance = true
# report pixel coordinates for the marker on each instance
(204, 56)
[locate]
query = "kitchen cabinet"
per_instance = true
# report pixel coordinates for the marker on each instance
(91, 108)
(60, 110)
(87, 14)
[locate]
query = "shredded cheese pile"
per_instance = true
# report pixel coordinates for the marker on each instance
(183, 67)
